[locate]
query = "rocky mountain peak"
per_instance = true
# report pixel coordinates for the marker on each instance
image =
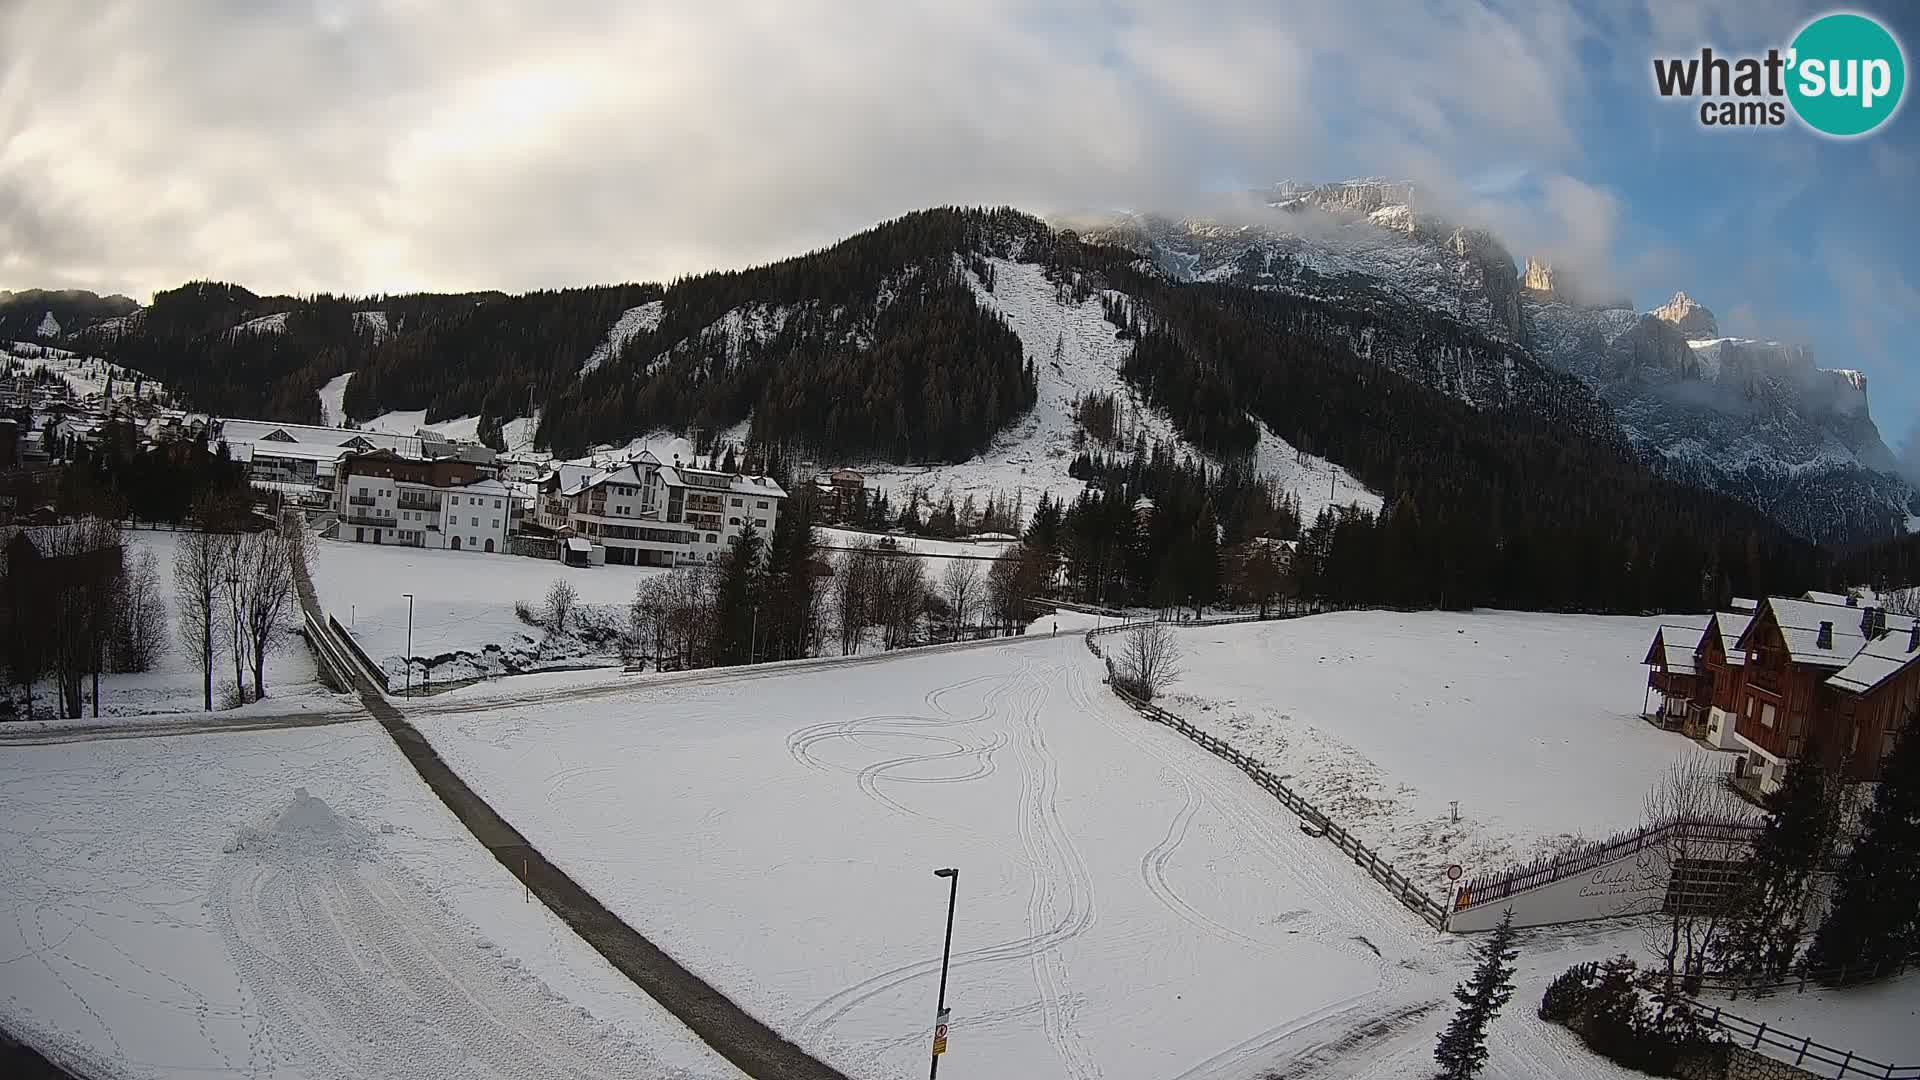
(1538, 277)
(1687, 316)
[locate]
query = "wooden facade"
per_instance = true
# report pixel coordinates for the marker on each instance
(1840, 677)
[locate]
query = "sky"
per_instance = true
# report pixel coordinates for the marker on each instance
(370, 146)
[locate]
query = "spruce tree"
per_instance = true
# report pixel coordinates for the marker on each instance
(1765, 928)
(737, 602)
(1462, 1050)
(790, 582)
(1874, 922)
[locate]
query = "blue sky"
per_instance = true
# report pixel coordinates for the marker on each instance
(387, 145)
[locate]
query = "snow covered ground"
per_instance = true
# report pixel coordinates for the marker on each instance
(175, 683)
(463, 600)
(87, 376)
(635, 320)
(1382, 719)
(173, 909)
(1075, 353)
(937, 555)
(1129, 906)
(1878, 1022)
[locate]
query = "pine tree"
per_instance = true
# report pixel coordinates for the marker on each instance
(1765, 929)
(791, 600)
(737, 601)
(1463, 1046)
(1874, 921)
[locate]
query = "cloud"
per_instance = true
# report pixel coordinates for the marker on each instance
(384, 144)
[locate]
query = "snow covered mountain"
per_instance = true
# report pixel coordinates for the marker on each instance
(1756, 420)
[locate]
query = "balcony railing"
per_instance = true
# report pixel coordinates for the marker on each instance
(360, 500)
(368, 519)
(406, 503)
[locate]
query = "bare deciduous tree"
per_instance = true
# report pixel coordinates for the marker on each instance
(673, 615)
(199, 565)
(1149, 659)
(901, 600)
(141, 636)
(1692, 793)
(960, 585)
(561, 599)
(263, 566)
(854, 585)
(77, 578)
(1903, 601)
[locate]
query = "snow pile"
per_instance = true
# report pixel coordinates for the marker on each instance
(333, 401)
(307, 828)
(632, 322)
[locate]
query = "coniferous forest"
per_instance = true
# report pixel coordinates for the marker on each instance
(1520, 493)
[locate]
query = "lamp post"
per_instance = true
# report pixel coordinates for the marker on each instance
(409, 597)
(952, 874)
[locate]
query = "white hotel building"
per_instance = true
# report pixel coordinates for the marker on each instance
(646, 513)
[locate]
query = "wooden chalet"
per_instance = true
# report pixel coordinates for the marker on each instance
(1840, 675)
(1722, 671)
(1674, 675)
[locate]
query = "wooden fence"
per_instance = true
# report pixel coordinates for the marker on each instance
(1312, 819)
(1799, 1051)
(1802, 979)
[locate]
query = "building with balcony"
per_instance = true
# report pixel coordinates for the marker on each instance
(385, 498)
(300, 460)
(645, 513)
(1842, 678)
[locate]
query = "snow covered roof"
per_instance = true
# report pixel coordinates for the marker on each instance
(237, 431)
(1741, 603)
(575, 543)
(1730, 625)
(1800, 620)
(1673, 647)
(484, 487)
(1881, 659)
(1824, 597)
(296, 450)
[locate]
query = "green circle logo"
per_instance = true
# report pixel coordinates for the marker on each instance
(1846, 74)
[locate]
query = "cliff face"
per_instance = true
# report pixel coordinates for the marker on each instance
(1756, 419)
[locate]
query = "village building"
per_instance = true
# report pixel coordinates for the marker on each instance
(1832, 671)
(386, 498)
(300, 461)
(646, 513)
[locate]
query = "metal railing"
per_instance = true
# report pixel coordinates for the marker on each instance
(361, 500)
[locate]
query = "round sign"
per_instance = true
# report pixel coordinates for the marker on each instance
(1454, 872)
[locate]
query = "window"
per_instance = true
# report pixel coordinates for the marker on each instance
(712, 539)
(736, 502)
(1766, 716)
(475, 522)
(760, 523)
(363, 491)
(496, 504)
(473, 541)
(761, 505)
(496, 523)
(733, 521)
(454, 499)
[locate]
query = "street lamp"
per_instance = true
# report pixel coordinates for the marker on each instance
(409, 597)
(952, 874)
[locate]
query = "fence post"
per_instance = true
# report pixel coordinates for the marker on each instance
(1846, 1066)
(1757, 1035)
(1805, 1041)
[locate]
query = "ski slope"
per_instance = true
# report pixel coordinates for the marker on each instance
(333, 398)
(178, 908)
(1384, 719)
(1129, 907)
(1075, 353)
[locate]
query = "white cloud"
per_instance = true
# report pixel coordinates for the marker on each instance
(371, 145)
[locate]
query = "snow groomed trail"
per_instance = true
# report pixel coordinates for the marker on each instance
(1129, 906)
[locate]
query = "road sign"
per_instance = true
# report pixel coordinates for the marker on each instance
(1454, 872)
(940, 1033)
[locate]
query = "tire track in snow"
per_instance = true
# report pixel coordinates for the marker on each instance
(1153, 872)
(1078, 917)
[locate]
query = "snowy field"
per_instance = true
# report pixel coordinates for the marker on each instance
(1382, 719)
(171, 909)
(936, 555)
(463, 600)
(1129, 907)
(175, 683)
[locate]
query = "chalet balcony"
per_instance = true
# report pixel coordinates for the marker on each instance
(368, 519)
(1769, 679)
(360, 500)
(416, 502)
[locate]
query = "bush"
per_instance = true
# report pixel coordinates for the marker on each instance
(1603, 1004)
(524, 612)
(561, 600)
